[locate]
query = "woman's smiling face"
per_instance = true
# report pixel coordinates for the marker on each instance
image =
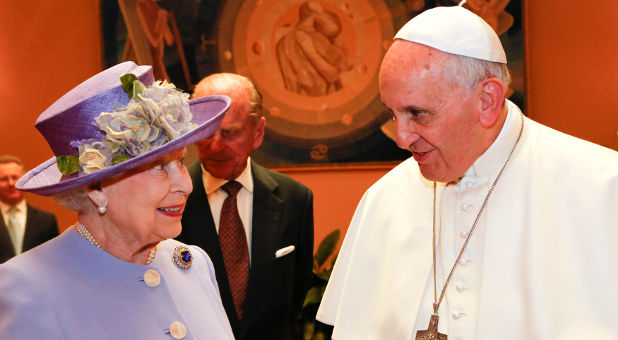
(147, 203)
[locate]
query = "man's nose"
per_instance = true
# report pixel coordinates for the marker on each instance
(216, 143)
(406, 135)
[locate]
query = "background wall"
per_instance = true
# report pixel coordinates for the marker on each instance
(48, 47)
(572, 59)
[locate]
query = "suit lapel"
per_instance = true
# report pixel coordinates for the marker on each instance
(265, 236)
(200, 218)
(6, 245)
(32, 228)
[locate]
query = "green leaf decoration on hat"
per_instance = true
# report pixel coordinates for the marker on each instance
(68, 165)
(119, 158)
(131, 85)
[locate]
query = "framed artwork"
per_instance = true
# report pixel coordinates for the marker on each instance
(316, 63)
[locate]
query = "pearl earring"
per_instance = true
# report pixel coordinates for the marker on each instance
(102, 209)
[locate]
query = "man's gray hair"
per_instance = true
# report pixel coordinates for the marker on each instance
(255, 97)
(5, 159)
(468, 72)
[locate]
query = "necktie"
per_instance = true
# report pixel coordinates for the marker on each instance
(233, 241)
(13, 228)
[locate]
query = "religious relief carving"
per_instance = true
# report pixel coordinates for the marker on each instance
(310, 55)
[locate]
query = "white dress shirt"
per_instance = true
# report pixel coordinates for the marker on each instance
(216, 196)
(20, 228)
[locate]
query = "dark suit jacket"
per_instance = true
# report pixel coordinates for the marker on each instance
(40, 227)
(282, 216)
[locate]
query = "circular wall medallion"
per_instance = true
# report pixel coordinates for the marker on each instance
(315, 62)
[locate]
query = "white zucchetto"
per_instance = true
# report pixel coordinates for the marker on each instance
(454, 30)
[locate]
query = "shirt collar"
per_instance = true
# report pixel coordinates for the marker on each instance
(21, 207)
(212, 183)
(494, 157)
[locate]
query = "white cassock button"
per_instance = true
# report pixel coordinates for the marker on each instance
(463, 261)
(460, 287)
(463, 233)
(152, 278)
(457, 314)
(178, 330)
(465, 206)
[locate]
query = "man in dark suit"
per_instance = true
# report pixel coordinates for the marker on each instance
(265, 272)
(22, 226)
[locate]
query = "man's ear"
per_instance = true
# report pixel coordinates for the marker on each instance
(259, 133)
(492, 99)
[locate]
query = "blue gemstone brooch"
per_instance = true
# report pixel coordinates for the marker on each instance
(182, 257)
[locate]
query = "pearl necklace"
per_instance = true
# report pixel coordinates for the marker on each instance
(81, 229)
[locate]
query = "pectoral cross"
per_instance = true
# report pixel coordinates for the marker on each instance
(431, 333)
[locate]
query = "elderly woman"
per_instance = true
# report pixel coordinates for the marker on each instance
(116, 274)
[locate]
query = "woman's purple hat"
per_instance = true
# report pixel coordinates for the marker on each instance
(97, 120)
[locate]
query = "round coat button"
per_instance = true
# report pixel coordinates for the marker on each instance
(152, 278)
(178, 330)
(460, 287)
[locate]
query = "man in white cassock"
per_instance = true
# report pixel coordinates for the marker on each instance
(523, 218)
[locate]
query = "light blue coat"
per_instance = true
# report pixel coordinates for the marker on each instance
(69, 289)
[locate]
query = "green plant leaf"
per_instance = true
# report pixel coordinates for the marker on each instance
(332, 263)
(68, 165)
(319, 336)
(327, 246)
(325, 275)
(309, 327)
(313, 296)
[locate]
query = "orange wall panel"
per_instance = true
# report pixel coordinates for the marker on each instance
(47, 47)
(572, 74)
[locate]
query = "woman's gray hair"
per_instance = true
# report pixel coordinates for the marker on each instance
(75, 199)
(469, 72)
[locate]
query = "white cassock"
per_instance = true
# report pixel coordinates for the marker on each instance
(541, 264)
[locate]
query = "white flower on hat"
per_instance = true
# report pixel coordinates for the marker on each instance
(94, 156)
(132, 128)
(175, 116)
(155, 116)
